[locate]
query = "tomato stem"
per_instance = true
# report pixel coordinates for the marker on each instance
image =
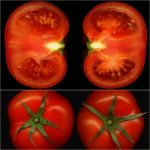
(36, 120)
(111, 123)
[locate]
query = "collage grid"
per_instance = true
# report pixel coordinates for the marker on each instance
(75, 86)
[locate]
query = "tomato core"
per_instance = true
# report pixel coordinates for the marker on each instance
(96, 45)
(55, 46)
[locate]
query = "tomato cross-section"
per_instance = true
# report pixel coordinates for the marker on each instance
(34, 44)
(117, 39)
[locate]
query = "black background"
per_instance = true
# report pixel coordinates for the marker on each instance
(76, 98)
(74, 79)
(76, 11)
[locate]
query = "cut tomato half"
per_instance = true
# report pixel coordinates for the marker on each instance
(115, 58)
(34, 36)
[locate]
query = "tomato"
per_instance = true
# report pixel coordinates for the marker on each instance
(34, 44)
(40, 120)
(110, 120)
(117, 39)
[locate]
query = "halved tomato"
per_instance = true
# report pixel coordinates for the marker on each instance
(117, 44)
(34, 44)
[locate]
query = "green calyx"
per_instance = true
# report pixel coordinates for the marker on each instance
(111, 123)
(36, 122)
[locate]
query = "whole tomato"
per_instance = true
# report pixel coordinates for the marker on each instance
(34, 44)
(110, 120)
(117, 37)
(40, 119)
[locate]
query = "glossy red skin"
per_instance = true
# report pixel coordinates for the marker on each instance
(57, 110)
(121, 45)
(21, 44)
(88, 124)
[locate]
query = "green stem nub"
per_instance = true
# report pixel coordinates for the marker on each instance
(110, 122)
(36, 120)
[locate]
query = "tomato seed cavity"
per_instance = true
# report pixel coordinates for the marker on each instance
(41, 18)
(126, 66)
(117, 22)
(38, 72)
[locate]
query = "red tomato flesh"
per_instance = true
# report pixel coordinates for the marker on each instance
(29, 30)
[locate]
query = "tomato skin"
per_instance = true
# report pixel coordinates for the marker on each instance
(136, 52)
(30, 42)
(57, 109)
(88, 124)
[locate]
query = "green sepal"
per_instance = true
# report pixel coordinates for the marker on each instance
(49, 123)
(98, 133)
(112, 107)
(33, 128)
(24, 126)
(118, 127)
(129, 117)
(43, 132)
(94, 111)
(29, 111)
(41, 109)
(114, 137)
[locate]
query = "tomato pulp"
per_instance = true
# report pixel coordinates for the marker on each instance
(110, 120)
(40, 120)
(117, 38)
(34, 44)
